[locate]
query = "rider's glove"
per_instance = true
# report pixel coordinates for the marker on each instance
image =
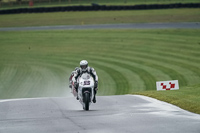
(95, 84)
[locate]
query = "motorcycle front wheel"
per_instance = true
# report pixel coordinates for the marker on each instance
(87, 101)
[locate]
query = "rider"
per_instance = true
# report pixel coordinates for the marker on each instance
(71, 76)
(83, 69)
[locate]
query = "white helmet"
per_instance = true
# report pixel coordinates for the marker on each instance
(84, 65)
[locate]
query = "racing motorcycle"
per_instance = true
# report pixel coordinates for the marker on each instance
(85, 90)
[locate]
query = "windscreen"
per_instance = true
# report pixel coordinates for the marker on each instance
(85, 76)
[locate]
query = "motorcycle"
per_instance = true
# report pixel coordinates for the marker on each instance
(85, 90)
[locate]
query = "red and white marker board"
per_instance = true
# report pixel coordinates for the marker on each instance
(167, 85)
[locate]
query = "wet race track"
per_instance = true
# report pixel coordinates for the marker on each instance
(111, 114)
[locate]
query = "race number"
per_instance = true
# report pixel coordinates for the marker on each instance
(167, 85)
(86, 82)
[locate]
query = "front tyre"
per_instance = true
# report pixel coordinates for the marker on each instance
(87, 101)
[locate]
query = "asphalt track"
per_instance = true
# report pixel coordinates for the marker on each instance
(111, 114)
(184, 25)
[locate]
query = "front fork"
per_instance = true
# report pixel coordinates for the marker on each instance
(81, 95)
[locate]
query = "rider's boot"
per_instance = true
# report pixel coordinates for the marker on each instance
(77, 94)
(94, 99)
(77, 97)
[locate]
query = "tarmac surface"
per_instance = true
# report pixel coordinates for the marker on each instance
(184, 25)
(111, 114)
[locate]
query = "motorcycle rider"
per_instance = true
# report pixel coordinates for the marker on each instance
(71, 76)
(83, 69)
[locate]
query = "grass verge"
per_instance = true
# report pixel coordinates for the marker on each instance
(7, 4)
(187, 97)
(100, 17)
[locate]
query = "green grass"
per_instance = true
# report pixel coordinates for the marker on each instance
(100, 17)
(186, 98)
(38, 63)
(50, 3)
